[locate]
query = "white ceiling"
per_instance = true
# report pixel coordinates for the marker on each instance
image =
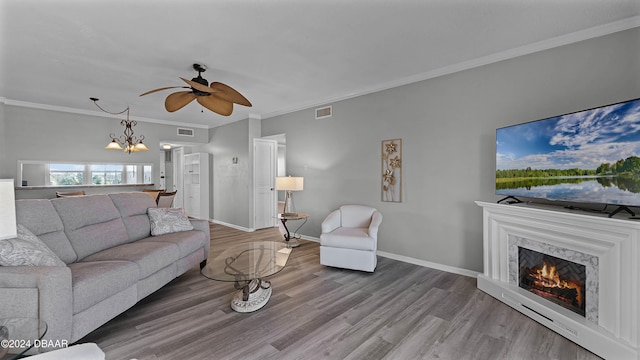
(283, 55)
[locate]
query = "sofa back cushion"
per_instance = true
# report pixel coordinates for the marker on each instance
(133, 211)
(92, 223)
(356, 216)
(41, 218)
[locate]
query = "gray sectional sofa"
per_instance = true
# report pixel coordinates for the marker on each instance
(112, 261)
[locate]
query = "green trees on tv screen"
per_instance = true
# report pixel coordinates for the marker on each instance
(627, 167)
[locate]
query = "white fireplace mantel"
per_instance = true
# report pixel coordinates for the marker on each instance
(613, 332)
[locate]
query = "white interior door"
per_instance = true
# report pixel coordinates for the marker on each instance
(162, 166)
(177, 158)
(265, 154)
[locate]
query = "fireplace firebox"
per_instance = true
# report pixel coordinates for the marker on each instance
(557, 280)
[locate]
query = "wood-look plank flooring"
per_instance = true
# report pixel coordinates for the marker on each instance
(402, 311)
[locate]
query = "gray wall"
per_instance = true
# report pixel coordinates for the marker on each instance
(447, 125)
(4, 165)
(231, 183)
(35, 134)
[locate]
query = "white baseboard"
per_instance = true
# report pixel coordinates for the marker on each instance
(310, 238)
(242, 228)
(429, 264)
(410, 260)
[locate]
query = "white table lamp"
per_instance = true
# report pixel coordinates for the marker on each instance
(289, 184)
(7, 209)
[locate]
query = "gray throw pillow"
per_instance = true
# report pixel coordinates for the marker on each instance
(168, 220)
(27, 250)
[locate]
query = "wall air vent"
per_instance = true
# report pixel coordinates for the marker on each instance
(324, 112)
(185, 132)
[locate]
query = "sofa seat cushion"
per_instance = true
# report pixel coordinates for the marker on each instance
(350, 238)
(95, 281)
(149, 256)
(187, 241)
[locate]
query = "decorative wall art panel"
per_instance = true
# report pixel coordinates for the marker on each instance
(392, 170)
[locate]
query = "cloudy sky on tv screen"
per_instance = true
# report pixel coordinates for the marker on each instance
(581, 140)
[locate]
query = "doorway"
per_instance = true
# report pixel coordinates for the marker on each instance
(264, 179)
(178, 176)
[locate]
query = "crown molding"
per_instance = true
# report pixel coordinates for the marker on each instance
(94, 113)
(586, 34)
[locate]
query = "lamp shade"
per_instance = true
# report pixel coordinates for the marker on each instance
(7, 209)
(289, 183)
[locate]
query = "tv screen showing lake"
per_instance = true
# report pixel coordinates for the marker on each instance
(605, 190)
(588, 156)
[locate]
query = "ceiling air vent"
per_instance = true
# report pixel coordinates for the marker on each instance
(324, 112)
(185, 132)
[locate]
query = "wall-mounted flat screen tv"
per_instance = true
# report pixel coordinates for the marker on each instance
(590, 156)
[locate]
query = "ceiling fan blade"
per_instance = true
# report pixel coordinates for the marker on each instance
(163, 88)
(198, 86)
(228, 93)
(178, 100)
(216, 104)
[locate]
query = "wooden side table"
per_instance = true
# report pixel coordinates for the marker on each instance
(284, 217)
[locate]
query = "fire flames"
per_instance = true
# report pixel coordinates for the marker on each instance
(548, 277)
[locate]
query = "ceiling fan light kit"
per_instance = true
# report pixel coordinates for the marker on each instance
(216, 96)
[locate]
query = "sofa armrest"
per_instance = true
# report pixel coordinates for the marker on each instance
(203, 225)
(376, 220)
(331, 222)
(40, 292)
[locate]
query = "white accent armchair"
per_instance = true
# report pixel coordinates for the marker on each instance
(349, 238)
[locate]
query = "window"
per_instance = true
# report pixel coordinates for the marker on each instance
(41, 173)
(66, 174)
(108, 174)
(148, 174)
(132, 174)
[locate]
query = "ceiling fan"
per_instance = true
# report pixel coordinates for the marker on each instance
(216, 96)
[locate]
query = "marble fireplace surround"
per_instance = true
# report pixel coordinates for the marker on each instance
(608, 247)
(589, 261)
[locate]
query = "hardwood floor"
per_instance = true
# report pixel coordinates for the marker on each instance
(401, 311)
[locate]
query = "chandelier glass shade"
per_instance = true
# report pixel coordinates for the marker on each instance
(127, 142)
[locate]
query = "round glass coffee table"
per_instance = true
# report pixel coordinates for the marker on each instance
(246, 265)
(19, 335)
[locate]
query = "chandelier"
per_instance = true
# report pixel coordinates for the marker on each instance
(128, 142)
